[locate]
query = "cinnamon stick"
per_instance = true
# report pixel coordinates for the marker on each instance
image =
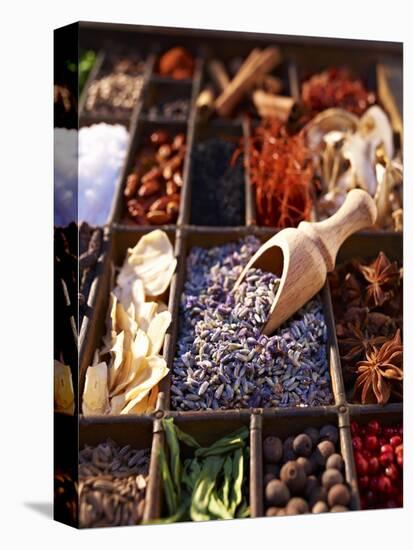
(218, 74)
(256, 64)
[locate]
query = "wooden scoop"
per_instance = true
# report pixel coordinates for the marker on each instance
(303, 256)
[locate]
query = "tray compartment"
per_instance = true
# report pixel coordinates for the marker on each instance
(227, 132)
(124, 430)
(285, 423)
(206, 428)
(365, 246)
(139, 139)
(119, 242)
(210, 237)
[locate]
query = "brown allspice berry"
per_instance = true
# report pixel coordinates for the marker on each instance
(288, 452)
(329, 433)
(306, 464)
(277, 493)
(296, 505)
(313, 434)
(319, 507)
(323, 451)
(331, 477)
(339, 508)
(302, 445)
(272, 511)
(293, 475)
(273, 449)
(338, 494)
(335, 461)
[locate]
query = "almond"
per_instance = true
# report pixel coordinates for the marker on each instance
(171, 187)
(131, 185)
(159, 204)
(152, 174)
(158, 217)
(149, 188)
(172, 208)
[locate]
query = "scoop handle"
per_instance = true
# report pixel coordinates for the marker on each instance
(357, 212)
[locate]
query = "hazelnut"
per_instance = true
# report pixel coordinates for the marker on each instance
(295, 506)
(338, 494)
(294, 476)
(277, 493)
(335, 461)
(319, 507)
(273, 449)
(302, 445)
(331, 477)
(330, 433)
(281, 512)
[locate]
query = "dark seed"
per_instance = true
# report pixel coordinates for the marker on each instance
(330, 433)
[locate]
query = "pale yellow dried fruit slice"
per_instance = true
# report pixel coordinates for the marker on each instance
(153, 371)
(117, 403)
(145, 315)
(138, 296)
(137, 408)
(125, 321)
(64, 397)
(95, 394)
(141, 344)
(152, 399)
(117, 355)
(157, 330)
(150, 246)
(124, 375)
(156, 286)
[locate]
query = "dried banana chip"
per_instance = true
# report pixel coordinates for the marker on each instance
(95, 394)
(64, 397)
(157, 330)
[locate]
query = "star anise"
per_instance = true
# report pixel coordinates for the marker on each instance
(382, 276)
(357, 341)
(382, 372)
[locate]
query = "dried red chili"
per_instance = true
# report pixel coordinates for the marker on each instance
(281, 171)
(336, 88)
